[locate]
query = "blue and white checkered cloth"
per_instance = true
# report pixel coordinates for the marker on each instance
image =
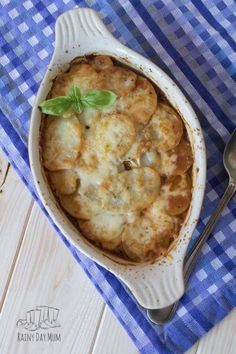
(195, 43)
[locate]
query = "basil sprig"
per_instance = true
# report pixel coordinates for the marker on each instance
(76, 101)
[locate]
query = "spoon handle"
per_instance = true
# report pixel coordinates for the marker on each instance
(191, 260)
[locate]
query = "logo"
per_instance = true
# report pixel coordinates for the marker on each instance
(37, 324)
(42, 317)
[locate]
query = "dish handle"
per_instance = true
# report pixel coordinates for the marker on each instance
(80, 28)
(158, 286)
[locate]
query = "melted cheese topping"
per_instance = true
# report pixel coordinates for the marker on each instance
(165, 128)
(140, 103)
(64, 181)
(112, 135)
(119, 80)
(104, 229)
(121, 171)
(130, 190)
(62, 141)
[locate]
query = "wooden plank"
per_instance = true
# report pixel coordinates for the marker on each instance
(112, 338)
(15, 206)
(193, 349)
(47, 274)
(221, 339)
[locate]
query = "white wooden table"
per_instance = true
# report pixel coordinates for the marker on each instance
(37, 269)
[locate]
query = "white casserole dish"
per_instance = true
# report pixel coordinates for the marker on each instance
(154, 284)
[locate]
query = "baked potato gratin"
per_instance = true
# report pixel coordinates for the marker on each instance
(123, 172)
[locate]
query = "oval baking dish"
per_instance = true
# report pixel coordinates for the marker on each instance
(158, 283)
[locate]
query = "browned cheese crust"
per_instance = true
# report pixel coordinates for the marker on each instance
(124, 172)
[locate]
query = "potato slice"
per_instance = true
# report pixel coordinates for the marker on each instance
(138, 148)
(145, 239)
(178, 204)
(100, 62)
(119, 80)
(178, 160)
(63, 182)
(86, 202)
(80, 206)
(184, 157)
(104, 228)
(150, 235)
(130, 190)
(61, 143)
(92, 173)
(140, 103)
(112, 135)
(139, 240)
(165, 128)
(85, 77)
(151, 159)
(168, 162)
(143, 154)
(81, 75)
(165, 224)
(178, 194)
(88, 117)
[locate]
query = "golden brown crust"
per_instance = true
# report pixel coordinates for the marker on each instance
(105, 229)
(131, 190)
(165, 128)
(100, 62)
(80, 206)
(64, 181)
(178, 194)
(140, 103)
(123, 171)
(61, 143)
(113, 135)
(177, 161)
(119, 80)
(81, 75)
(184, 157)
(149, 236)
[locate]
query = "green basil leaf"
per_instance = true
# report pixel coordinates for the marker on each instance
(98, 98)
(56, 106)
(78, 106)
(75, 93)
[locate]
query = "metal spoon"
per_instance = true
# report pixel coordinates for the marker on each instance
(160, 316)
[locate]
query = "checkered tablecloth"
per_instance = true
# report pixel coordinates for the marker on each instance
(194, 42)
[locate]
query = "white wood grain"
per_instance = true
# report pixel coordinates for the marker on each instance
(15, 205)
(112, 338)
(221, 339)
(193, 349)
(47, 274)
